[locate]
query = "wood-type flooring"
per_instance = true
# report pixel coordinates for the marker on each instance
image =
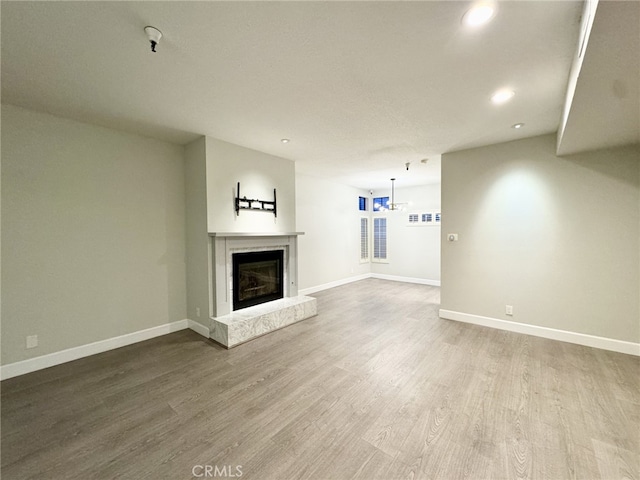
(374, 387)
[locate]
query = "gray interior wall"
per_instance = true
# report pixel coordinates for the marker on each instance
(556, 237)
(258, 173)
(197, 238)
(93, 241)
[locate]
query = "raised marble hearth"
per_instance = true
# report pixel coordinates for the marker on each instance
(243, 325)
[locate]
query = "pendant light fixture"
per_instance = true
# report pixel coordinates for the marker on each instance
(393, 206)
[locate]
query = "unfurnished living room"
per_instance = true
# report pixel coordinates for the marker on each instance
(320, 240)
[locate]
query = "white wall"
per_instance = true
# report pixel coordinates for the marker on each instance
(556, 237)
(92, 233)
(327, 212)
(197, 247)
(258, 174)
(413, 251)
(330, 249)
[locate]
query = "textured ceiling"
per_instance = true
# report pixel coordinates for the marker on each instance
(605, 107)
(360, 88)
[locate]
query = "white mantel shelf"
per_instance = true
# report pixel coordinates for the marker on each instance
(255, 234)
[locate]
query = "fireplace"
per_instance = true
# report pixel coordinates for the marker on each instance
(257, 278)
(240, 262)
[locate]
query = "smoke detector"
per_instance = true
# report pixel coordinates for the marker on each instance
(154, 35)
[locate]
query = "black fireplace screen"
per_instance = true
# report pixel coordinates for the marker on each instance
(257, 278)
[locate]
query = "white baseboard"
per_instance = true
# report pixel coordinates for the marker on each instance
(337, 283)
(396, 278)
(198, 328)
(64, 356)
(562, 335)
(344, 281)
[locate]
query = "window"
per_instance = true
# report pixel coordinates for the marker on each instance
(379, 239)
(437, 217)
(364, 239)
(380, 204)
(427, 217)
(413, 218)
(362, 204)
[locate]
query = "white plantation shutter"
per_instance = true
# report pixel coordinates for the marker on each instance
(379, 239)
(364, 239)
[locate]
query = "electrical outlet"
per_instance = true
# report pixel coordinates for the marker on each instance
(32, 341)
(198, 312)
(509, 309)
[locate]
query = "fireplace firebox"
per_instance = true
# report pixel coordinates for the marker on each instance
(257, 278)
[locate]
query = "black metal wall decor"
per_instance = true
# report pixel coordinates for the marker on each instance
(245, 203)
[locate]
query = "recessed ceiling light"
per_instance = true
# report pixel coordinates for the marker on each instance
(502, 96)
(285, 140)
(479, 14)
(517, 126)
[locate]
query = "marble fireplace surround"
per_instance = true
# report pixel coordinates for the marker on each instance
(231, 328)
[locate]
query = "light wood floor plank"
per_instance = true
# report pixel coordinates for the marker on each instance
(374, 387)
